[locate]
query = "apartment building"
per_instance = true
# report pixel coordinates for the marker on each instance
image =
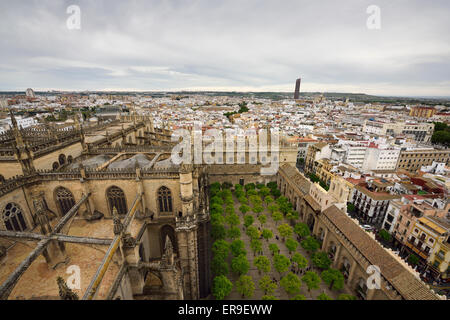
(303, 144)
(412, 159)
(316, 152)
(355, 154)
(371, 205)
(381, 158)
(422, 132)
(429, 240)
(422, 112)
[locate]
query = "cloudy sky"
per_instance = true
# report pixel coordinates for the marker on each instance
(245, 45)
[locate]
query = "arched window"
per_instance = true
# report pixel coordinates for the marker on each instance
(55, 165)
(165, 200)
(2, 179)
(13, 217)
(64, 199)
(321, 234)
(62, 159)
(116, 198)
(310, 222)
(361, 288)
(69, 159)
(346, 268)
(332, 250)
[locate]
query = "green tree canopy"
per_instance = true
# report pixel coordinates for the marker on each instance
(245, 286)
(250, 186)
(264, 192)
(221, 248)
(268, 200)
(310, 244)
(302, 230)
(273, 247)
(244, 209)
(232, 219)
(285, 230)
(219, 266)
(217, 218)
(243, 200)
(281, 263)
(344, 296)
(300, 261)
(218, 231)
(216, 200)
(272, 185)
(320, 259)
(248, 220)
(221, 287)
(386, 236)
(334, 278)
(229, 210)
(413, 259)
(291, 245)
(312, 280)
(267, 285)
(262, 263)
(291, 283)
(275, 193)
(240, 265)
(323, 296)
(267, 234)
(258, 208)
(256, 246)
(216, 208)
(262, 219)
(237, 248)
(277, 216)
(252, 232)
(234, 233)
(273, 208)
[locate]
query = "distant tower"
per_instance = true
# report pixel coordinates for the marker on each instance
(297, 88)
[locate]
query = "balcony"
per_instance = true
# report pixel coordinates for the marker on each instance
(417, 249)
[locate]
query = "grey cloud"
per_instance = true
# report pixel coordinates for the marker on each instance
(161, 45)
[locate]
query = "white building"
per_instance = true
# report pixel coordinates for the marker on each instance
(380, 158)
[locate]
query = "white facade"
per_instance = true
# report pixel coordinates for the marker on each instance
(381, 159)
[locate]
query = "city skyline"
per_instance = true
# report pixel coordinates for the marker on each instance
(206, 46)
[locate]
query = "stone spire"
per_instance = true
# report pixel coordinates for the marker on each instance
(65, 292)
(13, 119)
(118, 226)
(168, 254)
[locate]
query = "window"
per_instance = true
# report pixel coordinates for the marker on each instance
(13, 218)
(62, 159)
(116, 199)
(165, 200)
(64, 199)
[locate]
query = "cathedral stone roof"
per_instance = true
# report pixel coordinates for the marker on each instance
(139, 160)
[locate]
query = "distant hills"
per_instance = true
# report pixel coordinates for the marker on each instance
(353, 97)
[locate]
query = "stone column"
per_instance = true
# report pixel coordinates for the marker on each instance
(351, 272)
(325, 239)
(336, 255)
